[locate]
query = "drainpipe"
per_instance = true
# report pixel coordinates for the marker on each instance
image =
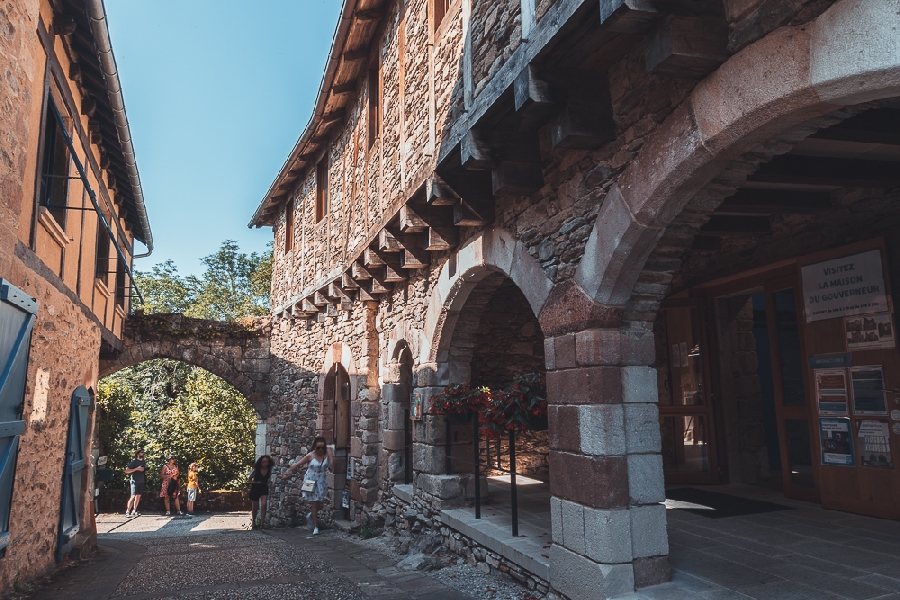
(97, 15)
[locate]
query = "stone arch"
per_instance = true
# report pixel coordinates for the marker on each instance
(847, 56)
(494, 251)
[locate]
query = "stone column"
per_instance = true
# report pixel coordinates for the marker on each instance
(606, 477)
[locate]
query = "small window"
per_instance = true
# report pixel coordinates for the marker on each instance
(289, 227)
(374, 90)
(101, 265)
(54, 186)
(321, 189)
(440, 8)
(122, 284)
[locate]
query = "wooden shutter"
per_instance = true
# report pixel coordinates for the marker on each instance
(17, 315)
(71, 502)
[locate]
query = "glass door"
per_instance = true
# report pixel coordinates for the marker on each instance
(792, 409)
(686, 417)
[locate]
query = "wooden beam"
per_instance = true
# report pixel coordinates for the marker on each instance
(410, 220)
(377, 287)
(371, 14)
(365, 296)
(371, 258)
(730, 225)
(356, 55)
(357, 271)
(438, 193)
(475, 151)
(387, 242)
(824, 171)
(517, 178)
(334, 290)
(585, 122)
(469, 213)
(333, 116)
(349, 87)
(531, 93)
(319, 299)
(308, 307)
(629, 16)
(441, 238)
(688, 47)
(393, 274)
(753, 201)
(347, 282)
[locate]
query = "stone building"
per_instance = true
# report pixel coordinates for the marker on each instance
(636, 198)
(72, 209)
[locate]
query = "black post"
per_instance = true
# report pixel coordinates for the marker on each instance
(512, 484)
(448, 447)
(477, 469)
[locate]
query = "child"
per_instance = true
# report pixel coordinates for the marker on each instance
(193, 487)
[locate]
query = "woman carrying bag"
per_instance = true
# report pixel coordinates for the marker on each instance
(315, 483)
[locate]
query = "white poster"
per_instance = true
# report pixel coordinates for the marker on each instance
(853, 285)
(875, 446)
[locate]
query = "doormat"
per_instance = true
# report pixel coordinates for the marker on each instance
(715, 505)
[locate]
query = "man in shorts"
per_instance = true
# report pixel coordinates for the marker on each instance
(137, 469)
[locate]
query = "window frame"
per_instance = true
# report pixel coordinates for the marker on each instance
(57, 177)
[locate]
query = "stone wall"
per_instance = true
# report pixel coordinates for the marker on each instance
(495, 31)
(532, 455)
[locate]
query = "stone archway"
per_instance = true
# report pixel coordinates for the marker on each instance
(236, 352)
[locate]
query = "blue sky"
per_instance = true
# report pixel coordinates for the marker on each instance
(217, 93)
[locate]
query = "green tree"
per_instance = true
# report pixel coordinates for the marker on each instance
(168, 407)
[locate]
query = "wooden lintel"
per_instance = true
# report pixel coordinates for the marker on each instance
(348, 283)
(359, 272)
(441, 238)
(473, 214)
(438, 193)
(688, 47)
(517, 179)
(387, 242)
(475, 152)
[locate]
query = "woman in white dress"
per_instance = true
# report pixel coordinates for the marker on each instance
(320, 460)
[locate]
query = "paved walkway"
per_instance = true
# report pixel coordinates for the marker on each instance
(216, 557)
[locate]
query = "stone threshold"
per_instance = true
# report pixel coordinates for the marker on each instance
(524, 551)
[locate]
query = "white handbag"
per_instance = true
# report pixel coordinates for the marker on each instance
(308, 486)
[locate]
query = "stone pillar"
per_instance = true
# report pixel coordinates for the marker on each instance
(606, 477)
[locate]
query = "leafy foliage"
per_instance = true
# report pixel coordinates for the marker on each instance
(520, 406)
(168, 407)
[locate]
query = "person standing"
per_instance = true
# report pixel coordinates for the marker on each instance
(259, 490)
(193, 487)
(170, 486)
(138, 471)
(320, 460)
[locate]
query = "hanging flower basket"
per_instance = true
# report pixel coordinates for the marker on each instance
(519, 407)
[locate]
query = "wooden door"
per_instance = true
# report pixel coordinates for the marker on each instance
(796, 428)
(686, 417)
(341, 408)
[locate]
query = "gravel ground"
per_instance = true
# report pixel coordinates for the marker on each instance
(459, 574)
(326, 589)
(230, 560)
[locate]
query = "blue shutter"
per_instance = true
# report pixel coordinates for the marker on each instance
(17, 316)
(71, 501)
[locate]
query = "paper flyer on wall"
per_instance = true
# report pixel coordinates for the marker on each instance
(875, 444)
(831, 392)
(869, 332)
(836, 442)
(868, 390)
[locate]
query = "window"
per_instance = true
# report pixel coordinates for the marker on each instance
(121, 283)
(101, 265)
(440, 8)
(321, 189)
(54, 184)
(374, 89)
(289, 227)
